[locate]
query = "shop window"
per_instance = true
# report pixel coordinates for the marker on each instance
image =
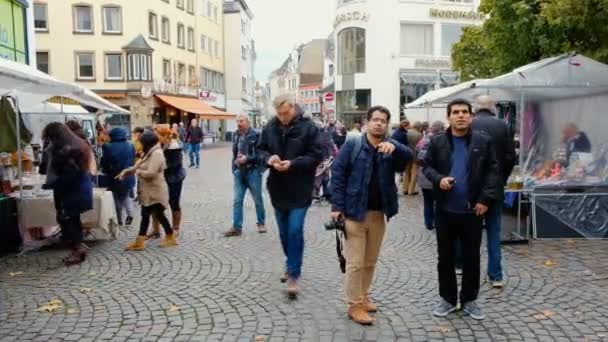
(153, 26)
(114, 66)
(112, 19)
(42, 61)
(41, 19)
(166, 28)
(85, 66)
(450, 35)
(83, 19)
(351, 51)
(417, 39)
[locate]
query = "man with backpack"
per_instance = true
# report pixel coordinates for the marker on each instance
(364, 193)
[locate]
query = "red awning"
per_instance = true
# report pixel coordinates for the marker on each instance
(195, 106)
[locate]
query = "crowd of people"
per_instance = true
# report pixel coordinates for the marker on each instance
(461, 171)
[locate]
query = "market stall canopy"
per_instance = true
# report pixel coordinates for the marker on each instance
(31, 87)
(566, 76)
(195, 106)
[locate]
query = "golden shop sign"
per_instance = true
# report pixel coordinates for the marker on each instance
(451, 14)
(351, 16)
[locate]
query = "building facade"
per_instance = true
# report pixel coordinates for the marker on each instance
(309, 98)
(240, 58)
(391, 54)
(17, 40)
(161, 59)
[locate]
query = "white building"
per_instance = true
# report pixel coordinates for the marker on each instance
(240, 59)
(391, 52)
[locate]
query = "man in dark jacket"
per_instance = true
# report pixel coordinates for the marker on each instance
(400, 134)
(118, 155)
(290, 147)
(461, 164)
(247, 168)
(486, 121)
(194, 139)
(363, 193)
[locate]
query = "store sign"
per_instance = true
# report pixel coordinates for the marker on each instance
(351, 16)
(206, 95)
(63, 100)
(452, 14)
(329, 97)
(433, 63)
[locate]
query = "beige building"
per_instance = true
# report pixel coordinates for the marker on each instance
(161, 59)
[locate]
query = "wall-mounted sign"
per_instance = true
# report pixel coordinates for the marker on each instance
(351, 16)
(433, 63)
(64, 100)
(452, 14)
(206, 95)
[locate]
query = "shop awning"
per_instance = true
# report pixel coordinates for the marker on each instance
(195, 106)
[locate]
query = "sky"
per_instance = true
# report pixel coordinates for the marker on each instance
(280, 25)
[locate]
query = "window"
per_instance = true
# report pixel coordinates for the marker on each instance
(41, 19)
(114, 66)
(180, 4)
(166, 27)
(180, 36)
(153, 25)
(112, 19)
(204, 78)
(243, 26)
(331, 70)
(203, 43)
(139, 67)
(416, 39)
(83, 19)
(203, 7)
(244, 81)
(209, 8)
(167, 70)
(353, 101)
(191, 76)
(85, 66)
(450, 35)
(190, 6)
(181, 74)
(190, 39)
(217, 49)
(210, 42)
(243, 53)
(42, 61)
(215, 14)
(351, 51)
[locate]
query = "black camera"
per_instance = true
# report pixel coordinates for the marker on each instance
(335, 225)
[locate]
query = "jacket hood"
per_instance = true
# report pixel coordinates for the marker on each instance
(118, 134)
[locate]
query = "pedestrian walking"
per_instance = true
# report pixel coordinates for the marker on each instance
(322, 175)
(340, 136)
(424, 183)
(461, 164)
(486, 121)
(290, 147)
(247, 168)
(118, 155)
(364, 193)
(152, 191)
(66, 164)
(355, 132)
(175, 174)
(76, 128)
(194, 139)
(414, 134)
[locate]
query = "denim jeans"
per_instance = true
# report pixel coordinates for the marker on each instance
(252, 181)
(493, 231)
(291, 231)
(195, 154)
(429, 209)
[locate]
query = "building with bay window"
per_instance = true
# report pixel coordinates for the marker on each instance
(392, 52)
(161, 59)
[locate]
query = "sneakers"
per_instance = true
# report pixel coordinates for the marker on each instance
(443, 309)
(458, 270)
(262, 229)
(498, 284)
(292, 288)
(233, 232)
(473, 310)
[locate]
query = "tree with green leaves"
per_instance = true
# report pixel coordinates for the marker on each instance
(518, 32)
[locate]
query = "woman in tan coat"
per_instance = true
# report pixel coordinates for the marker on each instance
(152, 191)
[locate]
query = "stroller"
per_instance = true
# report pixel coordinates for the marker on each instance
(322, 177)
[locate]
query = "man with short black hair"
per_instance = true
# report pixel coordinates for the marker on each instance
(195, 138)
(364, 193)
(461, 163)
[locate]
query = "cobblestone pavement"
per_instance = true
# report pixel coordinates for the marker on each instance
(211, 288)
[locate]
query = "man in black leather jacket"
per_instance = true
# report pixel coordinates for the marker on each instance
(461, 164)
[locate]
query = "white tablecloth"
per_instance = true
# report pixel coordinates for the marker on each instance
(101, 221)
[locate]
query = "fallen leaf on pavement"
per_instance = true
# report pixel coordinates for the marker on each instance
(549, 263)
(14, 274)
(543, 315)
(85, 290)
(51, 306)
(444, 330)
(92, 274)
(548, 313)
(173, 308)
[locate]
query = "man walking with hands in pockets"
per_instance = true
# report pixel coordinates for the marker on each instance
(461, 164)
(364, 193)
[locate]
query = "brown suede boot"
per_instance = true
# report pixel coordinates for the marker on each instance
(168, 241)
(176, 221)
(359, 315)
(138, 245)
(369, 305)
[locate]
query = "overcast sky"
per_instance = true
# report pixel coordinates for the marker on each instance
(280, 25)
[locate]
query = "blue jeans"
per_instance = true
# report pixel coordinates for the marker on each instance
(195, 154)
(291, 230)
(253, 182)
(429, 209)
(493, 231)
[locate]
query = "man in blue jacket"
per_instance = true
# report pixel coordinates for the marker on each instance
(363, 193)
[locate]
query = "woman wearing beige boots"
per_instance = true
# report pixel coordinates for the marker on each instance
(152, 190)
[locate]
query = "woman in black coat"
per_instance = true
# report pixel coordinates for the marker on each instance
(66, 164)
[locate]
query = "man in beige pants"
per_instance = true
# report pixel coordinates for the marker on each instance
(414, 135)
(363, 193)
